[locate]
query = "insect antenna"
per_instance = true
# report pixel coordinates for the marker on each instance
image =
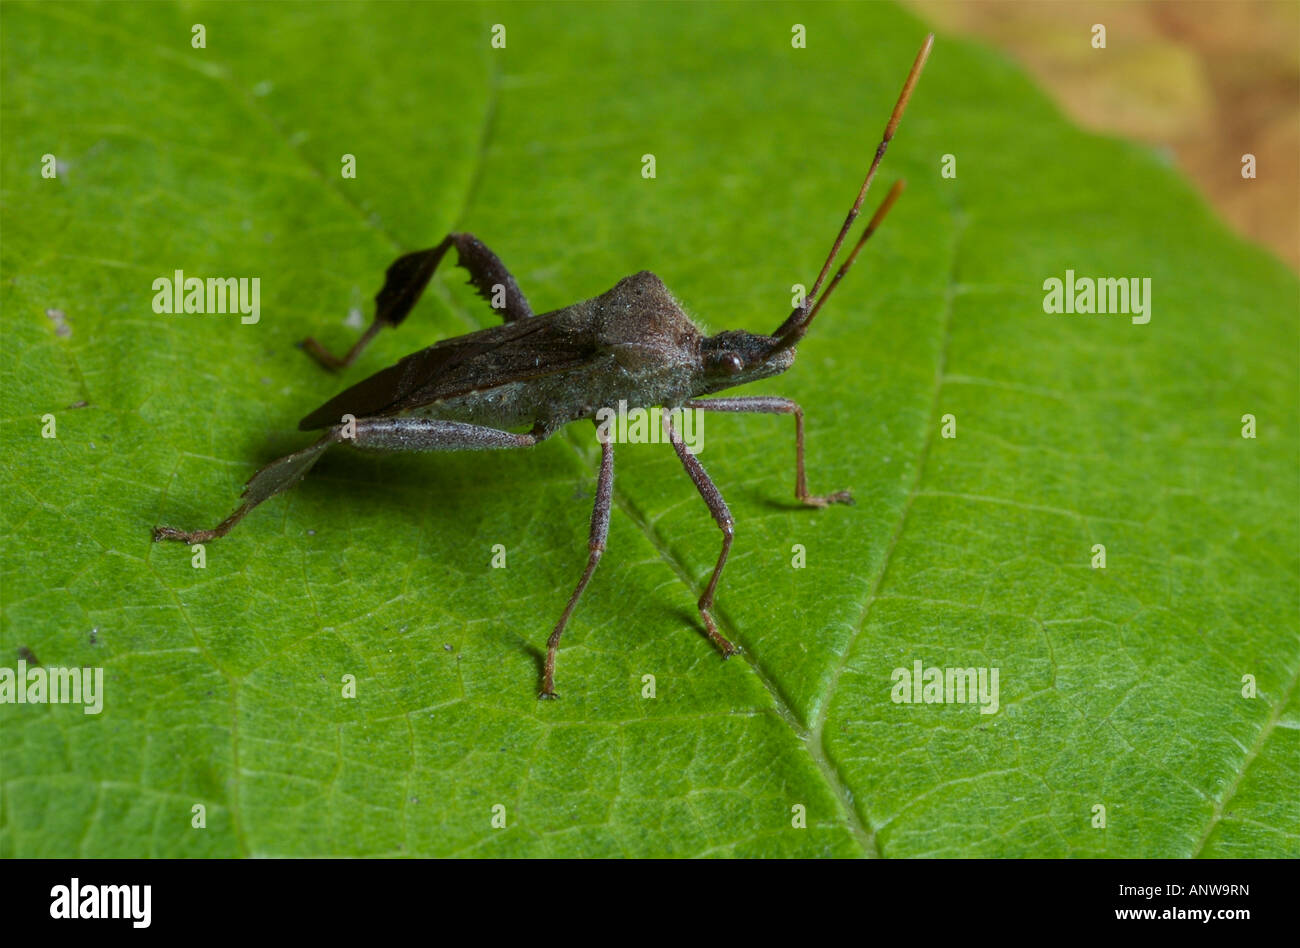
(793, 329)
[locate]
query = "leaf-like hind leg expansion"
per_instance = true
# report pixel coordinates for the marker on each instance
(371, 434)
(279, 475)
(409, 274)
(774, 405)
(595, 547)
(722, 516)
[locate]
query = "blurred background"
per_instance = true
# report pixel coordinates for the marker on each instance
(1204, 82)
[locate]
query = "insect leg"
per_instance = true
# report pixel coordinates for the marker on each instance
(409, 274)
(435, 434)
(773, 405)
(595, 547)
(489, 276)
(277, 476)
(370, 434)
(721, 515)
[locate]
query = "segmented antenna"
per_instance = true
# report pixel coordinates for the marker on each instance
(793, 329)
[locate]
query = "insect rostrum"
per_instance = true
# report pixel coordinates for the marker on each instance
(632, 343)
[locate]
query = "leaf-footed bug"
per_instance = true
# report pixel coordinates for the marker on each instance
(632, 344)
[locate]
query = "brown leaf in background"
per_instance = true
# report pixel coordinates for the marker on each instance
(1209, 81)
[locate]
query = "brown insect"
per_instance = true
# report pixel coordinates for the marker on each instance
(632, 344)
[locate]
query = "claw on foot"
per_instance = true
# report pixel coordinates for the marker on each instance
(184, 536)
(722, 644)
(839, 497)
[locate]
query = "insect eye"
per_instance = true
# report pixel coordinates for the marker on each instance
(731, 362)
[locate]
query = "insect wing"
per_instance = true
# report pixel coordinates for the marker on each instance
(481, 360)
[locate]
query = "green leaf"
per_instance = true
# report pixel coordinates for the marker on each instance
(1119, 687)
